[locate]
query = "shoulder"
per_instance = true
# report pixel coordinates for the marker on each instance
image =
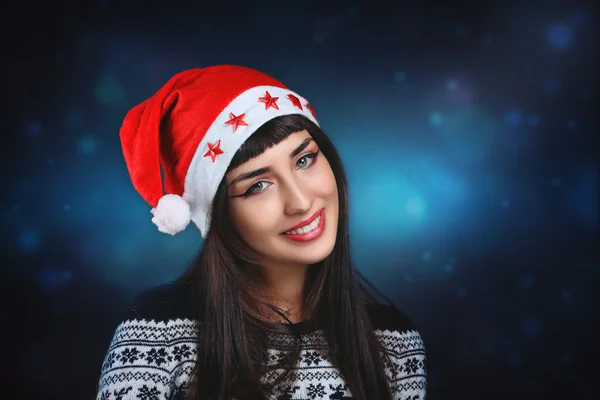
(153, 349)
(389, 317)
(396, 331)
(161, 314)
(163, 303)
(404, 345)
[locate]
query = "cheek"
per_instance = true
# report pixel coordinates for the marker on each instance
(324, 181)
(250, 220)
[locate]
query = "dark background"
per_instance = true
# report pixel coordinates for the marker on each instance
(468, 131)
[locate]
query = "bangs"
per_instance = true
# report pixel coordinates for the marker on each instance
(268, 135)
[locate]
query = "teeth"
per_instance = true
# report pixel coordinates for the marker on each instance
(306, 228)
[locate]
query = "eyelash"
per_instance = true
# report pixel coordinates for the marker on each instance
(309, 156)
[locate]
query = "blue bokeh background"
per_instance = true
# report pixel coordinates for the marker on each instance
(468, 131)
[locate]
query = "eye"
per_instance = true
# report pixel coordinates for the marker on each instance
(307, 160)
(256, 188)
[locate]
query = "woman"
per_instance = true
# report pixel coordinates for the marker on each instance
(272, 307)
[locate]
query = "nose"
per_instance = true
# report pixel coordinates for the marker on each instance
(298, 197)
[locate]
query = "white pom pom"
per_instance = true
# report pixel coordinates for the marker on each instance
(172, 214)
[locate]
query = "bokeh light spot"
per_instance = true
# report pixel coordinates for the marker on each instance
(584, 196)
(468, 135)
(109, 90)
(526, 282)
(453, 187)
(531, 326)
(449, 267)
(580, 17)
(559, 36)
(34, 128)
(399, 76)
(87, 145)
(74, 119)
(534, 120)
(415, 206)
(552, 85)
(567, 358)
(513, 118)
(436, 119)
(52, 278)
(556, 182)
(28, 240)
(514, 358)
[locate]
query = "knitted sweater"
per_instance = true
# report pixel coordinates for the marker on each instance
(152, 353)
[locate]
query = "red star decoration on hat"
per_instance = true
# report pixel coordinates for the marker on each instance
(312, 110)
(236, 121)
(214, 149)
(269, 101)
(295, 101)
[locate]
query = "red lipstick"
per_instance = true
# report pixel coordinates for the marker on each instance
(315, 233)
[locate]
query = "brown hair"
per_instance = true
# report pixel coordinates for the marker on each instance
(233, 329)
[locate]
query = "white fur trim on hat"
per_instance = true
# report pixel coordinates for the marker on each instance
(172, 214)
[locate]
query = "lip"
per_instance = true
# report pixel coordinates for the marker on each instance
(315, 233)
(306, 221)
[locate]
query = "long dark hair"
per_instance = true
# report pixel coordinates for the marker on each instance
(230, 307)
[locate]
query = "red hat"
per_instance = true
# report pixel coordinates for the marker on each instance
(192, 127)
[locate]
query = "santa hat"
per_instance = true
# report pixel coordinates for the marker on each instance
(192, 127)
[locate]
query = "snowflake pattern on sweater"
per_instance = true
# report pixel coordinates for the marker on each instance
(152, 356)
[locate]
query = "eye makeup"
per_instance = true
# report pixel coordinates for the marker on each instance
(252, 190)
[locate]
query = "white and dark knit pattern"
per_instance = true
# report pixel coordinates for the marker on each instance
(154, 359)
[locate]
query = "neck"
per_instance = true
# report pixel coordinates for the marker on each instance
(284, 291)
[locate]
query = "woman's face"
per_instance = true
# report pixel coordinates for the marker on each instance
(284, 203)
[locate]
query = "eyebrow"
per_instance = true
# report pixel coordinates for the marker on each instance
(264, 170)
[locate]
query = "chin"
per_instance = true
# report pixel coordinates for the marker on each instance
(315, 256)
(314, 251)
